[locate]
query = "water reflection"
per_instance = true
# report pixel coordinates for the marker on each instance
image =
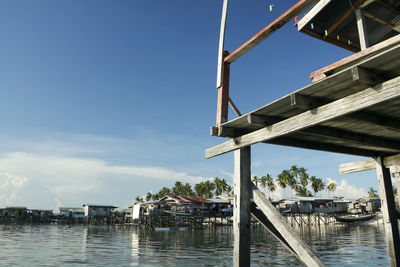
(57, 245)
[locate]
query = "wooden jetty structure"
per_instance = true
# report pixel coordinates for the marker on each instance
(351, 107)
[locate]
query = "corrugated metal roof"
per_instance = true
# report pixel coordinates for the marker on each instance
(346, 33)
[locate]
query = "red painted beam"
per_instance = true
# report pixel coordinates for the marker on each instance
(270, 29)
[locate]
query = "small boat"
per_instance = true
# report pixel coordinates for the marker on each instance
(169, 229)
(354, 218)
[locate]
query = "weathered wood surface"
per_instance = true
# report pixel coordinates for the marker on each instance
(366, 165)
(344, 106)
(295, 10)
(221, 42)
(223, 96)
(241, 213)
(389, 213)
(312, 13)
(338, 85)
(300, 248)
(350, 60)
(362, 29)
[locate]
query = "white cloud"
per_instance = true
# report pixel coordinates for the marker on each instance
(347, 190)
(10, 186)
(71, 180)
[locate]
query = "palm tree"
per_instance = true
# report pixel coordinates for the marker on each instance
(220, 186)
(372, 192)
(187, 190)
(155, 197)
(199, 189)
(331, 187)
(303, 176)
(320, 185)
(178, 188)
(255, 180)
(263, 181)
(138, 199)
(163, 192)
(208, 189)
(270, 184)
(149, 196)
(282, 180)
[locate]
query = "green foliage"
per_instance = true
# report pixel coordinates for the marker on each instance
(372, 192)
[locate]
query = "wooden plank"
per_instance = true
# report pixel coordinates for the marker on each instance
(303, 251)
(365, 165)
(312, 13)
(241, 213)
(344, 106)
(362, 29)
(387, 122)
(353, 59)
(221, 42)
(270, 29)
(359, 138)
(223, 96)
(321, 146)
(389, 213)
(357, 166)
(263, 220)
(365, 76)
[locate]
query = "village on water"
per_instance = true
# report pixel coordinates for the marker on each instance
(210, 203)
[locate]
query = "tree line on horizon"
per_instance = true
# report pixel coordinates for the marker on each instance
(296, 180)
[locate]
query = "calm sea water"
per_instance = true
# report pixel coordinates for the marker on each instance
(82, 245)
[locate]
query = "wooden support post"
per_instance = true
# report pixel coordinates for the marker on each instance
(388, 212)
(223, 94)
(362, 29)
(241, 213)
(299, 247)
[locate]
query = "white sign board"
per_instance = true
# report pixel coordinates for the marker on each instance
(136, 211)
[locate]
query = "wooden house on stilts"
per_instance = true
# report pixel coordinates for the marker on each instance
(351, 107)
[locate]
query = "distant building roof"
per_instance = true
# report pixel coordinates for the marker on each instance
(100, 206)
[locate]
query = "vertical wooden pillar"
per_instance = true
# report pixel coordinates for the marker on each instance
(241, 212)
(362, 29)
(388, 212)
(223, 94)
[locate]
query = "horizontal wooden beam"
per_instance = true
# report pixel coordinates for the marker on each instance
(322, 146)
(343, 135)
(344, 106)
(270, 29)
(345, 62)
(263, 119)
(366, 165)
(386, 122)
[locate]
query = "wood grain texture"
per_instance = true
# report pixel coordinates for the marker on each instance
(344, 106)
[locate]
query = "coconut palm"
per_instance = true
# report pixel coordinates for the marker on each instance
(208, 189)
(331, 187)
(178, 188)
(270, 184)
(149, 196)
(220, 186)
(372, 192)
(263, 182)
(138, 199)
(255, 180)
(320, 185)
(163, 192)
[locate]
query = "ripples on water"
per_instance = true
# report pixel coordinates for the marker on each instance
(77, 245)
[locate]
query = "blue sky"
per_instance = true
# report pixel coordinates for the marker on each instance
(105, 100)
